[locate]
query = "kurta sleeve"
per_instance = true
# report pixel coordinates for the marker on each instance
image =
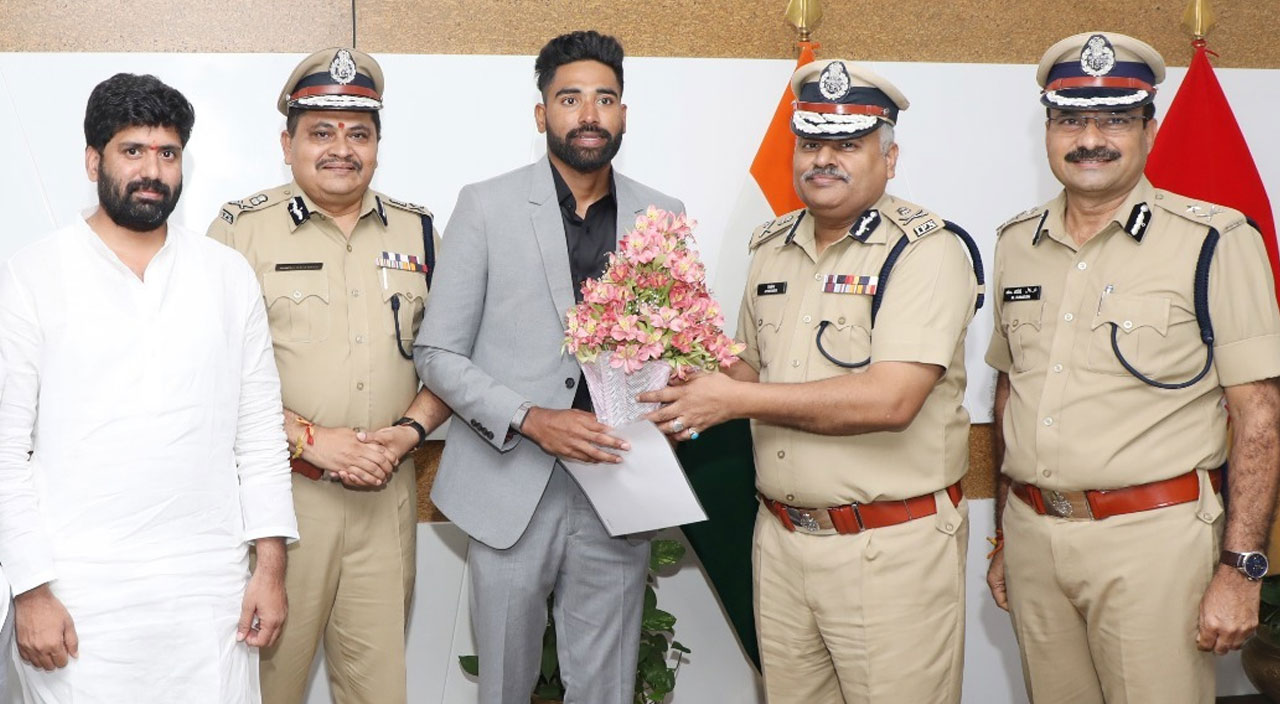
(26, 550)
(261, 448)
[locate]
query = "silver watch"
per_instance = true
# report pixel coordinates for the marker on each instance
(517, 421)
(1253, 565)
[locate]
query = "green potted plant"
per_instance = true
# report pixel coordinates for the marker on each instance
(660, 653)
(1260, 656)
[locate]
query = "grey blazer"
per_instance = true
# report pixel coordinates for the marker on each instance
(492, 338)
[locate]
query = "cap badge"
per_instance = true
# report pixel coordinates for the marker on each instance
(343, 68)
(834, 82)
(1097, 58)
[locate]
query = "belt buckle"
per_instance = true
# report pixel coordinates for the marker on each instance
(802, 520)
(1055, 504)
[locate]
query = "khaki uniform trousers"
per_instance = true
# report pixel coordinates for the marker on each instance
(871, 618)
(1107, 611)
(349, 579)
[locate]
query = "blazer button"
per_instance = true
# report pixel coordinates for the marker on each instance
(568, 383)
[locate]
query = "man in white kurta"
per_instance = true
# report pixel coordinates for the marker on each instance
(141, 381)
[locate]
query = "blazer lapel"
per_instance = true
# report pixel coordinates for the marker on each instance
(548, 227)
(629, 204)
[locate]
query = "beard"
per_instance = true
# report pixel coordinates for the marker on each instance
(584, 160)
(117, 202)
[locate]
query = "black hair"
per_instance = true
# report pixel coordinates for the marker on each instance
(129, 100)
(295, 114)
(587, 45)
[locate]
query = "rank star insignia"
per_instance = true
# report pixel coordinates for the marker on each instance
(1097, 58)
(1202, 213)
(343, 68)
(834, 82)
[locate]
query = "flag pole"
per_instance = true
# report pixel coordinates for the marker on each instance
(1199, 19)
(805, 16)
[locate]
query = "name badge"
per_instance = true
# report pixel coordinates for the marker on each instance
(1022, 293)
(300, 266)
(772, 288)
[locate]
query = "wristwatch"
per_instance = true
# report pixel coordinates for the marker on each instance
(1253, 565)
(517, 421)
(422, 432)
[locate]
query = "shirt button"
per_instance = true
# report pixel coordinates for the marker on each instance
(840, 321)
(359, 339)
(297, 294)
(791, 497)
(1046, 473)
(1069, 317)
(355, 293)
(1127, 325)
(1206, 516)
(817, 277)
(348, 248)
(795, 362)
(1057, 367)
(760, 321)
(1048, 422)
(568, 383)
(950, 527)
(808, 319)
(359, 386)
(1082, 266)
(782, 454)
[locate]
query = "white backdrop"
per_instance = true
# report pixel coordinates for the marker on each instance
(971, 150)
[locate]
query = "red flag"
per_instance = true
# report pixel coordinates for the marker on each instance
(1201, 153)
(772, 166)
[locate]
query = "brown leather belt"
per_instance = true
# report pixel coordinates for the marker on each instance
(855, 518)
(1104, 503)
(306, 469)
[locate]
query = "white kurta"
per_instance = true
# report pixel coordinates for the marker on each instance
(152, 409)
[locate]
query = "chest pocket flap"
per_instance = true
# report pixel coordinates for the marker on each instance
(297, 304)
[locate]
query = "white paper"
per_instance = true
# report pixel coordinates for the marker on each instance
(646, 491)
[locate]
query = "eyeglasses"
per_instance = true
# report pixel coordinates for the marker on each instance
(1107, 124)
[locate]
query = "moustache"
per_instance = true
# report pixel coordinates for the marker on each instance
(1096, 154)
(832, 171)
(597, 131)
(351, 161)
(148, 184)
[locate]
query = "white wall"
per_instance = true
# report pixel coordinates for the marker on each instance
(971, 149)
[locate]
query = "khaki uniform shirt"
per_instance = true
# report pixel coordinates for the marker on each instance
(329, 299)
(1076, 419)
(791, 291)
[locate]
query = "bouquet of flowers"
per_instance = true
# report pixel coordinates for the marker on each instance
(650, 315)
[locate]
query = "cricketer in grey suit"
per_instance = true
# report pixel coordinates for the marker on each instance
(492, 342)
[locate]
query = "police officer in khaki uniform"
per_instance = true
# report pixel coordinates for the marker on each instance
(1124, 317)
(345, 272)
(859, 433)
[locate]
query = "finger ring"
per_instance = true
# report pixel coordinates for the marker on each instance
(693, 434)
(677, 425)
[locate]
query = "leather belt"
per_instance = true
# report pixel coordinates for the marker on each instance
(306, 469)
(855, 518)
(1098, 504)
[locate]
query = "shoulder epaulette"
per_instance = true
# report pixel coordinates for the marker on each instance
(914, 222)
(258, 201)
(404, 205)
(1028, 214)
(773, 228)
(1219, 217)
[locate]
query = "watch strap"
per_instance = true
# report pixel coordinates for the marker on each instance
(422, 432)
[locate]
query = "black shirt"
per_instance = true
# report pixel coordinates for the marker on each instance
(589, 240)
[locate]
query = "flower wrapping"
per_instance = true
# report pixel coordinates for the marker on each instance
(650, 309)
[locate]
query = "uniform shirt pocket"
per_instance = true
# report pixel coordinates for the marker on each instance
(1022, 323)
(770, 311)
(1141, 324)
(410, 288)
(297, 305)
(844, 341)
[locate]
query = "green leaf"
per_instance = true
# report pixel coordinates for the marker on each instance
(550, 661)
(658, 620)
(650, 599)
(470, 664)
(676, 645)
(664, 553)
